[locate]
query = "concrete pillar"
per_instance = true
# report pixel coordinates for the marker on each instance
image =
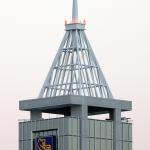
(35, 115)
(117, 129)
(82, 113)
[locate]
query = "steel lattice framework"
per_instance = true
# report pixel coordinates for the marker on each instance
(75, 70)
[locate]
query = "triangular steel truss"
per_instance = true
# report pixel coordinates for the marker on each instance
(75, 70)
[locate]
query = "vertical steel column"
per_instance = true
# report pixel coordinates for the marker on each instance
(82, 113)
(83, 128)
(117, 129)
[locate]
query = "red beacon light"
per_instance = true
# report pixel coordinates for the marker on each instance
(84, 21)
(65, 22)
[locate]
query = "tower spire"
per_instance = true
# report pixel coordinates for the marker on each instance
(75, 70)
(75, 11)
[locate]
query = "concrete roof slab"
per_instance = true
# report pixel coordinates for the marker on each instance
(65, 101)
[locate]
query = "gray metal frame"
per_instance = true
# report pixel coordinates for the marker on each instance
(75, 70)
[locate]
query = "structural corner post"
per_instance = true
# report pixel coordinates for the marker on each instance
(35, 115)
(117, 129)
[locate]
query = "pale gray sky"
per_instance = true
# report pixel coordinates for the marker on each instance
(30, 33)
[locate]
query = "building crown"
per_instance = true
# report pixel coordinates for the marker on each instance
(75, 70)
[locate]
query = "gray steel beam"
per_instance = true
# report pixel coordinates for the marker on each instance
(64, 101)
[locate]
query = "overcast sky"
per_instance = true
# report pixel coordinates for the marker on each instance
(30, 34)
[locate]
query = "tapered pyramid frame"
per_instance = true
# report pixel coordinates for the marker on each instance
(75, 70)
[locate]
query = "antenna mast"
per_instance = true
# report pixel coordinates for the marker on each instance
(75, 11)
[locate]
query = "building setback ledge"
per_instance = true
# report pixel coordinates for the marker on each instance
(66, 101)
